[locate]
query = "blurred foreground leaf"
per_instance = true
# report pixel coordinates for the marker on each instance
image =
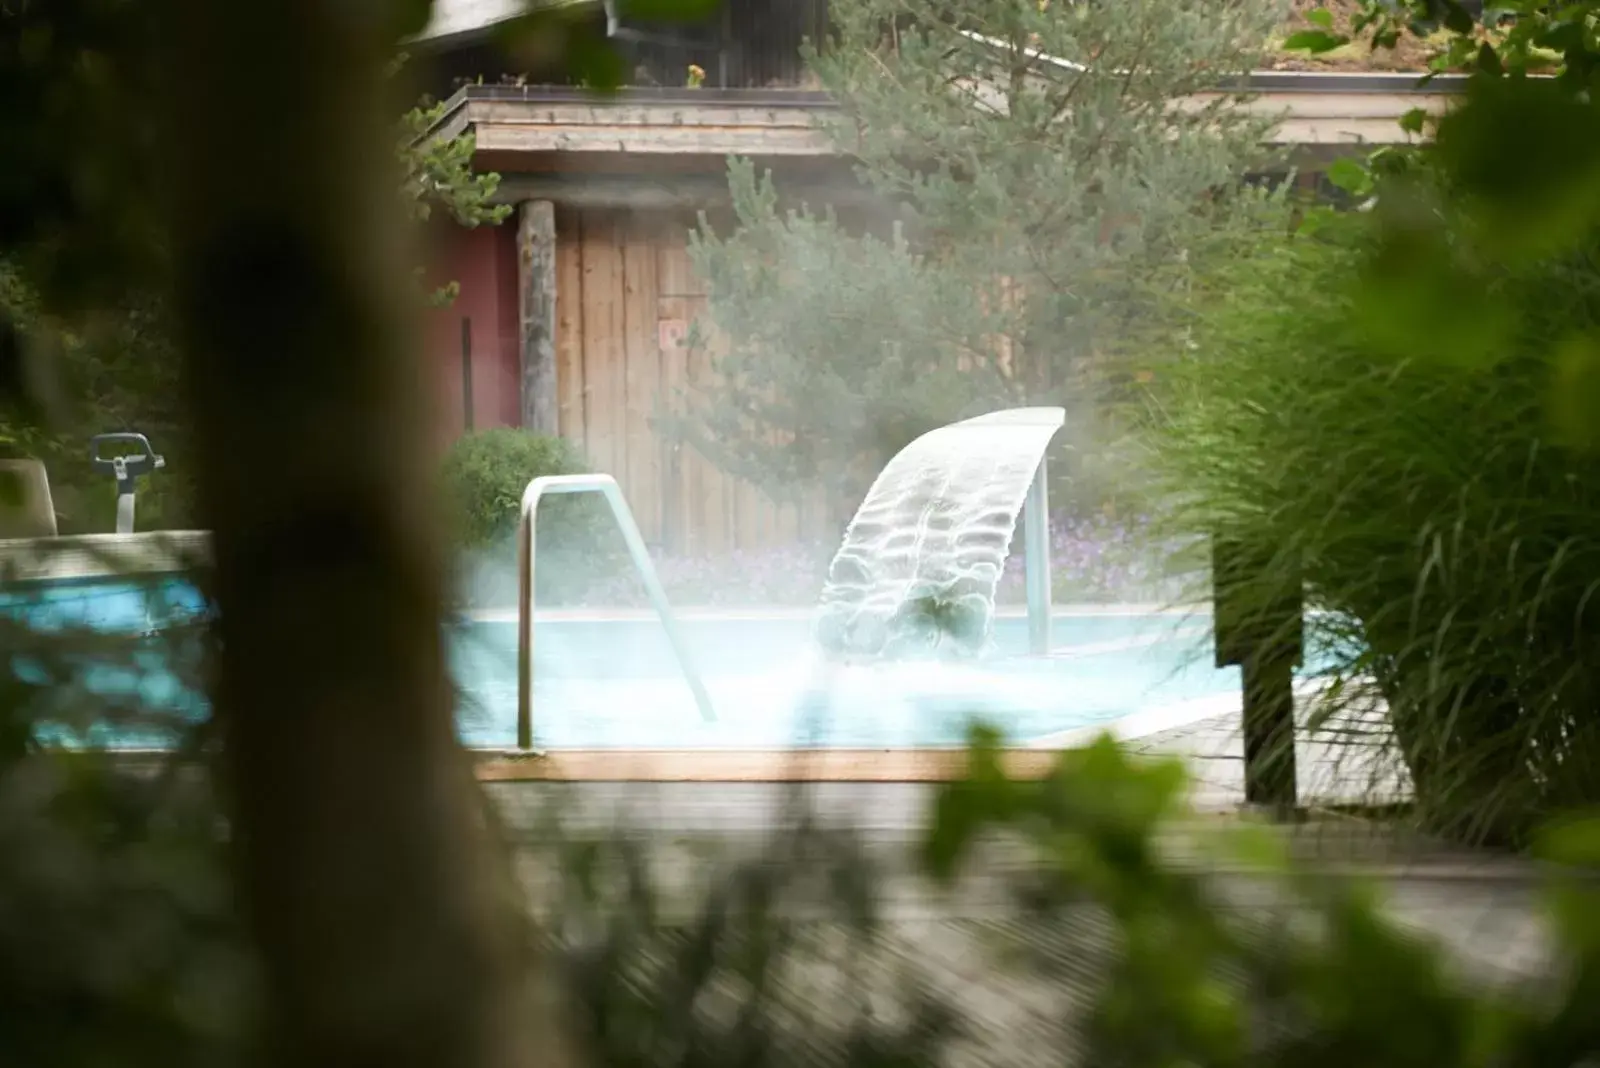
(1417, 299)
(1575, 391)
(1525, 156)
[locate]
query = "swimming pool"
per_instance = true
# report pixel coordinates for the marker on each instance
(612, 682)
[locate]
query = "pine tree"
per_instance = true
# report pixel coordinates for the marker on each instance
(1045, 182)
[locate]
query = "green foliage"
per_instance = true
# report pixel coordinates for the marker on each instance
(1448, 540)
(438, 171)
(1035, 190)
(486, 472)
(1460, 555)
(1511, 181)
(439, 176)
(1513, 37)
(1312, 974)
(728, 973)
(77, 202)
(484, 476)
(844, 350)
(1314, 41)
(1218, 949)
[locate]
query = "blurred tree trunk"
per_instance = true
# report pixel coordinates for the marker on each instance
(389, 933)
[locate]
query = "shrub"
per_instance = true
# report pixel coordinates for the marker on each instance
(1452, 542)
(486, 472)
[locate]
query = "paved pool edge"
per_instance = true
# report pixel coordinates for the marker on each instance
(1026, 760)
(797, 614)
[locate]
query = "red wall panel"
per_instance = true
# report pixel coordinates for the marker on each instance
(508, 324)
(483, 263)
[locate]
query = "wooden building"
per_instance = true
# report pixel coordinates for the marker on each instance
(572, 315)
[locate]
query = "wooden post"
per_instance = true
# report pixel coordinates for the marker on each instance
(1257, 614)
(536, 289)
(1268, 722)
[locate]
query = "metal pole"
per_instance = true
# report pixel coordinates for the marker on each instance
(658, 597)
(125, 491)
(124, 513)
(525, 623)
(1036, 557)
(526, 545)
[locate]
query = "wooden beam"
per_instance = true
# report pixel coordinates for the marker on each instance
(686, 192)
(536, 289)
(714, 127)
(652, 140)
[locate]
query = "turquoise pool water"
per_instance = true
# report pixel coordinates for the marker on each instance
(614, 682)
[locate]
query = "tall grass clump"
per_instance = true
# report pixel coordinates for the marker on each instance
(1448, 542)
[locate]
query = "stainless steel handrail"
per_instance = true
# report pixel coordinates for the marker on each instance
(1036, 558)
(607, 487)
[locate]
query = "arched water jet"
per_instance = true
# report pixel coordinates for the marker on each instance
(921, 560)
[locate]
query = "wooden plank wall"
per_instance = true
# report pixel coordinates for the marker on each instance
(623, 284)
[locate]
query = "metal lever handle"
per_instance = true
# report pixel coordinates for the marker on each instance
(125, 467)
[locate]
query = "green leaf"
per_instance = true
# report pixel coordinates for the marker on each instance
(1351, 176)
(1315, 41)
(1413, 121)
(1526, 155)
(1255, 846)
(1574, 840)
(1488, 60)
(1320, 16)
(958, 814)
(1457, 19)
(594, 64)
(1574, 399)
(1416, 300)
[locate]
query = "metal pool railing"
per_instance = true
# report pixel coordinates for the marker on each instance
(607, 487)
(1036, 558)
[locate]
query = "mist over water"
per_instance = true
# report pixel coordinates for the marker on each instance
(607, 682)
(883, 650)
(921, 560)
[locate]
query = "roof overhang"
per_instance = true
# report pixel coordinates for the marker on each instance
(639, 123)
(558, 129)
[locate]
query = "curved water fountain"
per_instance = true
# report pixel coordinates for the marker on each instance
(920, 562)
(916, 571)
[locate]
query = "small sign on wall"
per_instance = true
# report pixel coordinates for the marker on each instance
(672, 334)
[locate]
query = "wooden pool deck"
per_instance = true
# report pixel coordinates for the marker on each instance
(1483, 910)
